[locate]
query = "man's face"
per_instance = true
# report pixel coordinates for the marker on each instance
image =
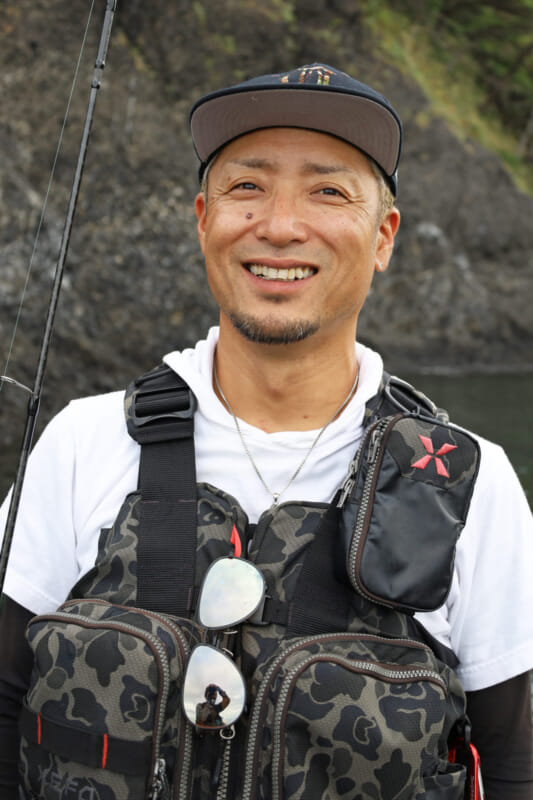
(291, 234)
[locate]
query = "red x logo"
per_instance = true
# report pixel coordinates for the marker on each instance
(439, 463)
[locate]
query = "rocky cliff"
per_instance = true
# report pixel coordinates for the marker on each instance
(457, 294)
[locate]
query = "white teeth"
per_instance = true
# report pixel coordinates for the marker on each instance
(273, 274)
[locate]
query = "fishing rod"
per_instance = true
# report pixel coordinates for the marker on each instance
(35, 393)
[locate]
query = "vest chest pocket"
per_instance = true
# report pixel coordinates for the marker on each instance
(351, 716)
(102, 717)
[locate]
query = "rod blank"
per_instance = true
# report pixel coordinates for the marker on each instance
(35, 398)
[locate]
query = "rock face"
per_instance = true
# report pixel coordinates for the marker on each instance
(457, 293)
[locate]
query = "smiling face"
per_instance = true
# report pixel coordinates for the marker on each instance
(292, 234)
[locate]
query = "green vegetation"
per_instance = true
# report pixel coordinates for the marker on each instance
(474, 61)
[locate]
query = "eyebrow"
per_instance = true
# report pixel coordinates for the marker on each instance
(308, 168)
(254, 163)
(312, 168)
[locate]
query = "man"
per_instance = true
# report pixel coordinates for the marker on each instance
(295, 216)
(208, 712)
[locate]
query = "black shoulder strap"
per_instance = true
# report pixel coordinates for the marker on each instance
(160, 410)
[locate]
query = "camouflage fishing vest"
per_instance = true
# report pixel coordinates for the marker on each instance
(347, 697)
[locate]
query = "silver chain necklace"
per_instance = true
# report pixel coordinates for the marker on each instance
(276, 495)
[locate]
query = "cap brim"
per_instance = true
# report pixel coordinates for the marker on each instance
(360, 121)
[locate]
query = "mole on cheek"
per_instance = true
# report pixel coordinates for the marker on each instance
(249, 215)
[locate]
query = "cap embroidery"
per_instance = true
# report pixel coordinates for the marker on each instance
(318, 75)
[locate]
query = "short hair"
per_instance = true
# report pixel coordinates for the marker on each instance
(386, 197)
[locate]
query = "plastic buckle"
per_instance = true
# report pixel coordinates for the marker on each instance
(162, 413)
(465, 753)
(150, 397)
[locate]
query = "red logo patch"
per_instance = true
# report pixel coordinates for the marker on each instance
(423, 462)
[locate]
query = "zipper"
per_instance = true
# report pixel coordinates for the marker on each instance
(186, 764)
(378, 436)
(256, 717)
(374, 434)
(222, 788)
(349, 482)
(389, 673)
(159, 782)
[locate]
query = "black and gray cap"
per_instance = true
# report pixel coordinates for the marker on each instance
(316, 97)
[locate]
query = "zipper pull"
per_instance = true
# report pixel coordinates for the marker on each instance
(375, 441)
(373, 448)
(159, 783)
(348, 484)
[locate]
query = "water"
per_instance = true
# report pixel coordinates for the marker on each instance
(498, 407)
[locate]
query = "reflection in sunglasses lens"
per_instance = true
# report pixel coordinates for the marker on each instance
(213, 689)
(231, 592)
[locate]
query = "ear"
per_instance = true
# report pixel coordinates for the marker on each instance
(385, 239)
(200, 209)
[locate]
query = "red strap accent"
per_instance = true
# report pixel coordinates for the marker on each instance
(236, 542)
(104, 751)
(39, 728)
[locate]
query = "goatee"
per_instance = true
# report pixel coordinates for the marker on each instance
(263, 332)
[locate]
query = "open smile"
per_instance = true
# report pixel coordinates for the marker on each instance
(280, 274)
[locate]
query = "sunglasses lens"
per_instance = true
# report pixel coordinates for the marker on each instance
(231, 592)
(213, 689)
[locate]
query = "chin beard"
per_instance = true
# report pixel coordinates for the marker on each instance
(262, 332)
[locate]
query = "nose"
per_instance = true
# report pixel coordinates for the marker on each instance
(281, 221)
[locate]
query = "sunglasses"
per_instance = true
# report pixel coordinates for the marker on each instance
(214, 692)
